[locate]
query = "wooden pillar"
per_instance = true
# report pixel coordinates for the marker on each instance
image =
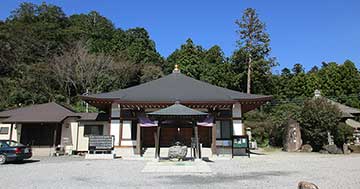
(54, 144)
(213, 139)
(158, 140)
(138, 139)
(196, 132)
(11, 132)
(156, 143)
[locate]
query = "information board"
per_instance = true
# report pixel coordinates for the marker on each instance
(101, 142)
(240, 142)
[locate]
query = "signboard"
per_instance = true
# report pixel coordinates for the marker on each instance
(223, 143)
(240, 142)
(101, 142)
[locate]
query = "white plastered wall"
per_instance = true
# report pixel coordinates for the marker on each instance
(126, 134)
(68, 135)
(115, 123)
(83, 141)
(238, 128)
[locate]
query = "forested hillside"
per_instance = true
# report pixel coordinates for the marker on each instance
(46, 55)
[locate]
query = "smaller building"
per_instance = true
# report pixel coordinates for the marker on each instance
(348, 116)
(46, 126)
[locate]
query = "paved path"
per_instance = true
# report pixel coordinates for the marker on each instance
(277, 170)
(176, 167)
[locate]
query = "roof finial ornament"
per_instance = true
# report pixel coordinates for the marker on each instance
(176, 69)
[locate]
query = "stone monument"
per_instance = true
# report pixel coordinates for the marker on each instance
(292, 137)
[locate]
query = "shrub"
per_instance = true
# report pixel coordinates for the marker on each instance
(279, 116)
(268, 126)
(343, 134)
(260, 126)
(318, 117)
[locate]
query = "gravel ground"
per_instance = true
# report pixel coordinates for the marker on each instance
(275, 170)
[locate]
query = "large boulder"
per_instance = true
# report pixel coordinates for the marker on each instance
(178, 152)
(307, 185)
(354, 148)
(332, 149)
(292, 137)
(323, 151)
(306, 148)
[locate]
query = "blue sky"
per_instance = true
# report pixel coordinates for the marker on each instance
(306, 31)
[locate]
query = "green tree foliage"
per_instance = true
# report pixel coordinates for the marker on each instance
(269, 125)
(140, 48)
(34, 37)
(254, 42)
(279, 116)
(261, 73)
(189, 57)
(261, 126)
(46, 55)
(339, 82)
(318, 117)
(214, 55)
(93, 28)
(150, 72)
(207, 65)
(343, 134)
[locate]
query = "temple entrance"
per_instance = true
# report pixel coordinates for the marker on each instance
(40, 135)
(170, 135)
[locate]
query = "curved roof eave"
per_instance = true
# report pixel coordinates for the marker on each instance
(176, 87)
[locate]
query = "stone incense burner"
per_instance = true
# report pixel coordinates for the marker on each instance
(177, 151)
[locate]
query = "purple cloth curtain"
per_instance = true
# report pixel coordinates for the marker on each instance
(146, 122)
(207, 122)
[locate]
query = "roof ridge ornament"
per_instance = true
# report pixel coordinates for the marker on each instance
(176, 69)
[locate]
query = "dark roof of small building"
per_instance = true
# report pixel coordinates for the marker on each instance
(177, 110)
(176, 87)
(347, 111)
(45, 113)
(93, 116)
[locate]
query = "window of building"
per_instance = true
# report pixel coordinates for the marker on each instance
(93, 130)
(4, 130)
(224, 130)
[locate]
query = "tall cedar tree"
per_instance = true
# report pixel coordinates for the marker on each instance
(254, 40)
